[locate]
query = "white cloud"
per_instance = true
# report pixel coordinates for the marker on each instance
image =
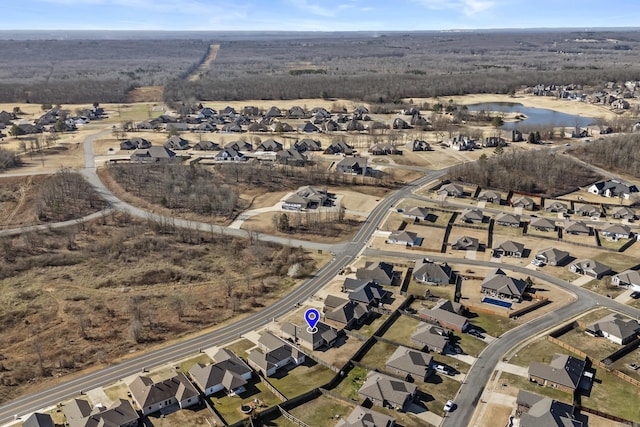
(468, 7)
(313, 7)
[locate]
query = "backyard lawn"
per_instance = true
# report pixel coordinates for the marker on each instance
(301, 379)
(492, 324)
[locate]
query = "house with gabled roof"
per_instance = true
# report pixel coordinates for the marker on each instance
(466, 243)
(539, 411)
(509, 248)
(370, 294)
(79, 413)
(307, 144)
(507, 219)
(430, 337)
(613, 188)
(489, 196)
(352, 165)
(206, 146)
(339, 147)
(153, 396)
(416, 213)
(542, 224)
(616, 232)
(309, 127)
(553, 256)
(346, 314)
(383, 390)
(588, 210)
(133, 143)
(428, 272)
(324, 337)
(269, 145)
(383, 150)
(153, 155)
(623, 212)
(38, 419)
(451, 190)
(273, 112)
(497, 283)
(589, 267)
(307, 197)
(176, 143)
(230, 154)
(523, 202)
(291, 157)
(445, 318)
(615, 327)
(229, 373)
(629, 279)
(413, 363)
(379, 272)
(556, 207)
(239, 145)
(272, 354)
(564, 372)
(404, 238)
(296, 112)
(577, 228)
(363, 417)
(471, 216)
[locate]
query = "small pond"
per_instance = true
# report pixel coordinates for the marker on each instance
(535, 116)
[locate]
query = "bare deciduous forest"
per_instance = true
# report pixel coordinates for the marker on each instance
(539, 172)
(66, 195)
(357, 66)
(617, 154)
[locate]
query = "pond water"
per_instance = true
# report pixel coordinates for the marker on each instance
(535, 116)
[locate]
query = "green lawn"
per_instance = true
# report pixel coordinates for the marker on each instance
(611, 244)
(378, 355)
(469, 344)
(516, 381)
(541, 351)
(441, 388)
(229, 407)
(350, 385)
(401, 330)
(301, 379)
(322, 411)
(187, 364)
(613, 395)
(492, 324)
(240, 347)
(373, 324)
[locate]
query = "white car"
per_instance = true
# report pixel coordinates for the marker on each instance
(448, 407)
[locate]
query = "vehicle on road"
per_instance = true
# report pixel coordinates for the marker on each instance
(449, 406)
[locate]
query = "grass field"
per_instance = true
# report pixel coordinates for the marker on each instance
(301, 379)
(613, 395)
(492, 324)
(469, 344)
(520, 383)
(350, 385)
(378, 355)
(401, 330)
(187, 364)
(323, 411)
(240, 347)
(541, 351)
(596, 348)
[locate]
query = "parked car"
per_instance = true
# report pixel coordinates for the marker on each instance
(444, 369)
(449, 406)
(475, 333)
(635, 295)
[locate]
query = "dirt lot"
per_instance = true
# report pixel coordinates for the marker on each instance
(17, 201)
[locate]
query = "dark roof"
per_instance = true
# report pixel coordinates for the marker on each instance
(379, 272)
(228, 372)
(544, 412)
(382, 387)
(38, 420)
(411, 361)
(368, 293)
(563, 369)
(148, 393)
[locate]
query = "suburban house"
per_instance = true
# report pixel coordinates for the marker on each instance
(350, 285)
(428, 272)
(613, 188)
(306, 197)
(228, 373)
(414, 363)
(383, 150)
(509, 248)
(230, 154)
(38, 420)
(133, 143)
(152, 155)
(269, 145)
(324, 337)
(497, 283)
(461, 143)
(296, 112)
(273, 112)
(556, 207)
(416, 213)
(352, 165)
(309, 127)
(363, 417)
(577, 228)
(451, 190)
(370, 294)
(379, 272)
(589, 267)
(307, 144)
(151, 397)
(420, 145)
(240, 146)
(623, 212)
(272, 354)
(344, 313)
(445, 318)
(615, 327)
(206, 146)
(523, 202)
(471, 216)
(388, 392)
(538, 411)
(543, 224)
(627, 279)
(564, 372)
(553, 256)
(430, 337)
(79, 413)
(405, 238)
(176, 143)
(507, 220)
(489, 196)
(339, 147)
(466, 243)
(616, 231)
(291, 157)
(588, 210)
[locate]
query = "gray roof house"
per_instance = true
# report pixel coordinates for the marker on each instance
(556, 206)
(379, 272)
(38, 420)
(509, 248)
(542, 224)
(553, 256)
(613, 188)
(588, 210)
(405, 238)
(346, 314)
(577, 228)
(230, 154)
(616, 231)
(433, 338)
(371, 294)
(307, 197)
(538, 411)
(273, 354)
(452, 190)
(508, 220)
(324, 337)
(497, 283)
(615, 327)
(352, 165)
(426, 271)
(466, 243)
(471, 216)
(228, 373)
(176, 143)
(133, 143)
(152, 155)
(291, 157)
(564, 372)
(523, 202)
(79, 413)
(411, 362)
(445, 318)
(151, 397)
(363, 417)
(269, 145)
(623, 212)
(416, 212)
(386, 391)
(590, 267)
(307, 144)
(490, 196)
(338, 146)
(627, 279)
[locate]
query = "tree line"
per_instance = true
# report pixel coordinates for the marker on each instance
(618, 154)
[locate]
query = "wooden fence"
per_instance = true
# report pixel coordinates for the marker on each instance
(291, 418)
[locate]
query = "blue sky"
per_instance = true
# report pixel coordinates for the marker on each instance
(315, 15)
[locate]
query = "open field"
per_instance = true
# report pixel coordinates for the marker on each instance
(301, 379)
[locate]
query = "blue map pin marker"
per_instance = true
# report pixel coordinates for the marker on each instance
(312, 317)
